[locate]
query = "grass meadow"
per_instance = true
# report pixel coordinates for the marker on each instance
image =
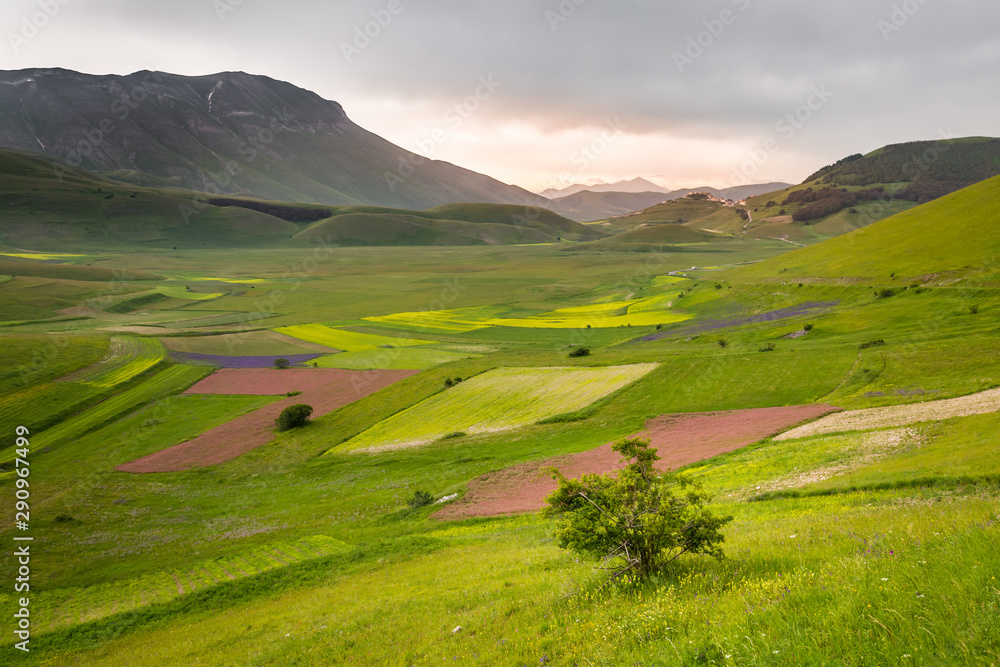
(876, 545)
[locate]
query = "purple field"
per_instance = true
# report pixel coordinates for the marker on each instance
(223, 361)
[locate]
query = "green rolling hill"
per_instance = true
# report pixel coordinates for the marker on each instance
(52, 205)
(861, 189)
(958, 232)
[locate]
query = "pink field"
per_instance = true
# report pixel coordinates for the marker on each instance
(229, 440)
(268, 381)
(679, 439)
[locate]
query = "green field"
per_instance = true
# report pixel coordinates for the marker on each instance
(415, 357)
(870, 547)
(498, 400)
(126, 358)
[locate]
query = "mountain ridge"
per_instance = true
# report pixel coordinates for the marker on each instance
(230, 133)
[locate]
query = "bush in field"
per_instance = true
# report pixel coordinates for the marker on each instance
(580, 352)
(637, 522)
(420, 499)
(293, 416)
(282, 363)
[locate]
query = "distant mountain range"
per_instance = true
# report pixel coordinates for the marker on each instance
(227, 133)
(586, 205)
(634, 185)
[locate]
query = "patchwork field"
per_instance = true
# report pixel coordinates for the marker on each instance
(421, 357)
(900, 415)
(251, 343)
(650, 311)
(497, 400)
(342, 339)
(227, 441)
(225, 361)
(267, 382)
(126, 358)
(879, 540)
(679, 440)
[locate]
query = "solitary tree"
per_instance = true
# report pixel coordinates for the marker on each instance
(282, 363)
(293, 416)
(634, 521)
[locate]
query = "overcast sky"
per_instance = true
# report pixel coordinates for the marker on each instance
(548, 92)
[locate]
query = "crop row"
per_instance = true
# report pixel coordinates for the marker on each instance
(126, 358)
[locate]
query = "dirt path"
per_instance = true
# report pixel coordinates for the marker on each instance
(679, 439)
(900, 415)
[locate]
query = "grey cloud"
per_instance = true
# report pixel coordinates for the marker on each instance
(896, 74)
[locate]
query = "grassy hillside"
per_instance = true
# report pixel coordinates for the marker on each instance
(954, 233)
(861, 189)
(52, 205)
(690, 211)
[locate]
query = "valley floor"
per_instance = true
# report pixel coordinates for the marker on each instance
(861, 538)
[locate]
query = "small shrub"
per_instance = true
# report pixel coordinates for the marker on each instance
(767, 348)
(456, 434)
(420, 499)
(580, 352)
(639, 521)
(884, 293)
(293, 416)
(293, 393)
(974, 309)
(659, 326)
(808, 327)
(449, 383)
(718, 285)
(872, 343)
(282, 363)
(65, 517)
(723, 343)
